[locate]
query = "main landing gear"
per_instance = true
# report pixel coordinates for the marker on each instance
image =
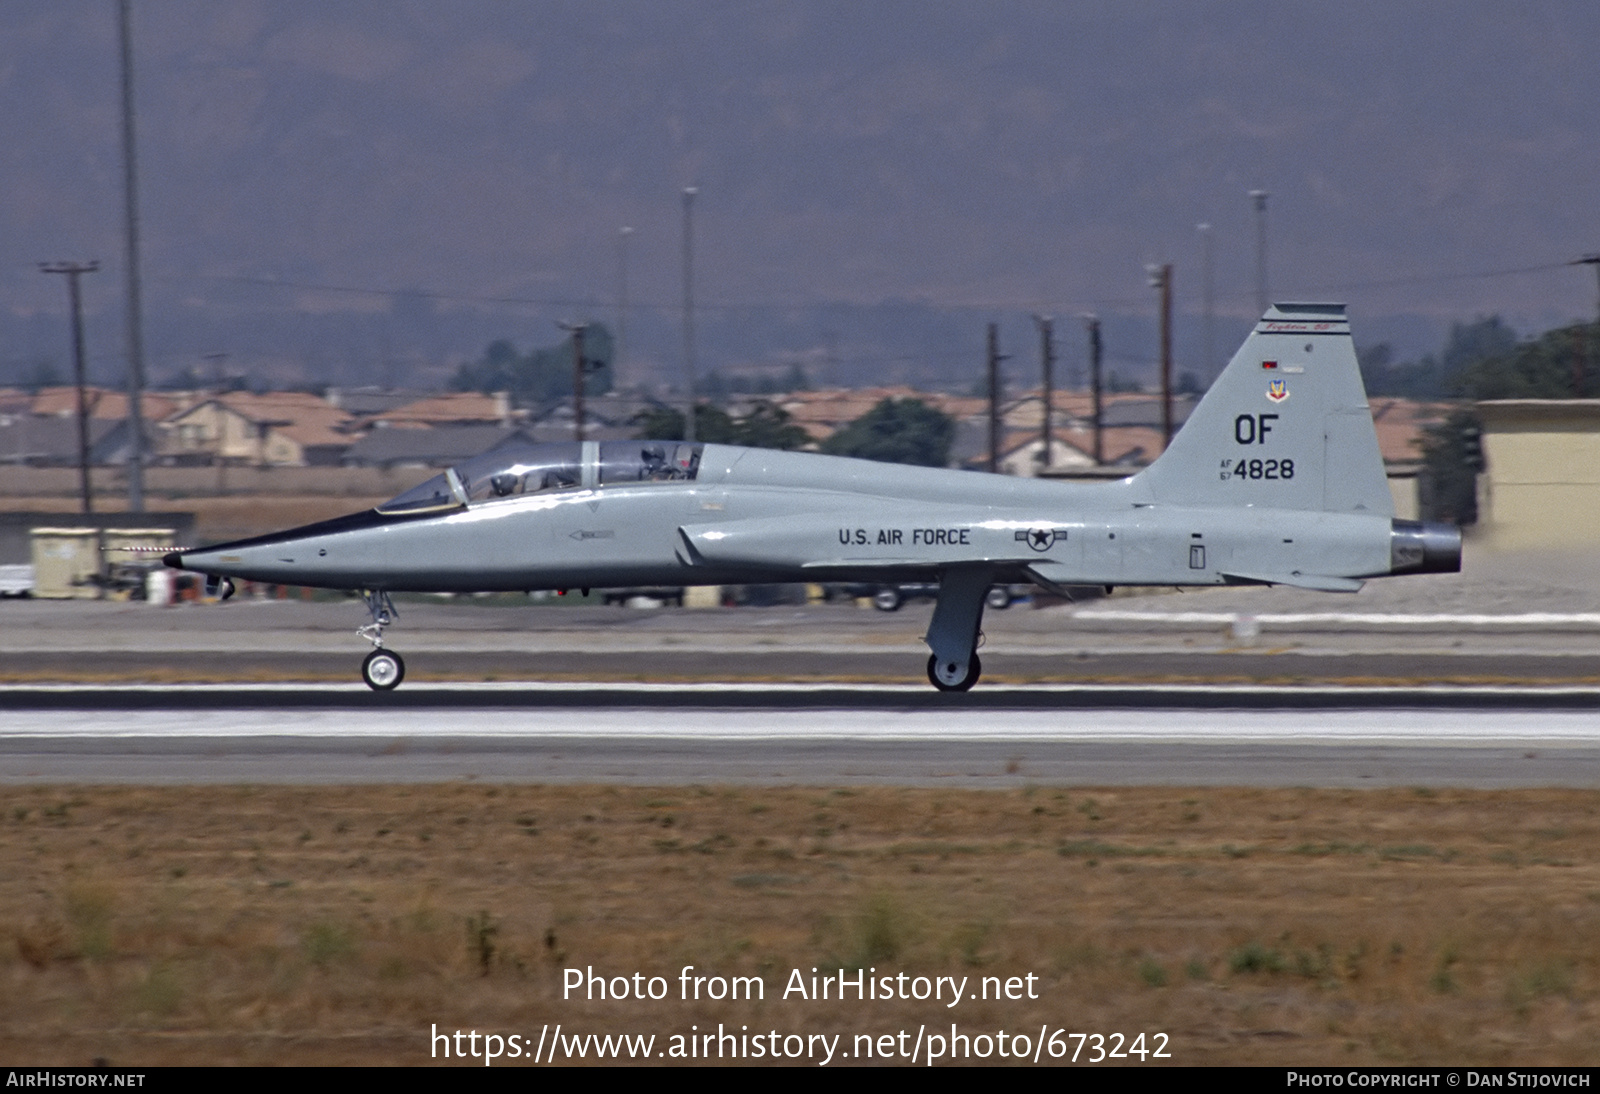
(953, 632)
(962, 682)
(383, 669)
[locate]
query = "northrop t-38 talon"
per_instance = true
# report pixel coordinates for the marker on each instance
(1275, 479)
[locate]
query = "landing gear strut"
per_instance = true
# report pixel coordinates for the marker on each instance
(383, 669)
(953, 631)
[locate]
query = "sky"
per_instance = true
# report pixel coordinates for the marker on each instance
(1428, 162)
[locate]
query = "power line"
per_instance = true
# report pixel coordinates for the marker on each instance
(1433, 279)
(700, 305)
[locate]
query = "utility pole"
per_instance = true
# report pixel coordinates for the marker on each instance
(135, 322)
(74, 270)
(1092, 323)
(1047, 361)
(1259, 199)
(1161, 278)
(218, 362)
(994, 359)
(579, 366)
(688, 311)
(1592, 261)
(1208, 303)
(620, 354)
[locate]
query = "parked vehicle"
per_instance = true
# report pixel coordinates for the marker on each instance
(889, 598)
(16, 580)
(667, 594)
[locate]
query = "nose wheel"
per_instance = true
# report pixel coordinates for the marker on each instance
(383, 670)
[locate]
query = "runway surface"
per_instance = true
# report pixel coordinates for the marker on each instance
(996, 736)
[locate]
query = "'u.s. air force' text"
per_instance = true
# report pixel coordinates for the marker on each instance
(897, 537)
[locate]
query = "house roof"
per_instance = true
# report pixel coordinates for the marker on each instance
(103, 403)
(29, 438)
(454, 407)
(441, 446)
(823, 413)
(1127, 445)
(1401, 425)
(307, 419)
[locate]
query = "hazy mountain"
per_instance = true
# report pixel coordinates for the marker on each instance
(876, 180)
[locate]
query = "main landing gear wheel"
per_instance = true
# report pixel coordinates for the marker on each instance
(974, 669)
(383, 670)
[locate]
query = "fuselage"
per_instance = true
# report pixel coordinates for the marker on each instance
(735, 515)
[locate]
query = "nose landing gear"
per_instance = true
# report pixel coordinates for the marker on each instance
(383, 669)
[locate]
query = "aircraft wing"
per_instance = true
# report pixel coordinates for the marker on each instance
(879, 540)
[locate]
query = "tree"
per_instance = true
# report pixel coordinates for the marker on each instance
(1452, 457)
(765, 426)
(897, 431)
(543, 375)
(1469, 345)
(41, 373)
(1382, 375)
(1556, 365)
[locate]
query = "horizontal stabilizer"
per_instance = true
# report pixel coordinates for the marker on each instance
(1320, 582)
(1053, 576)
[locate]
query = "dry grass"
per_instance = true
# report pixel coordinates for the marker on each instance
(290, 925)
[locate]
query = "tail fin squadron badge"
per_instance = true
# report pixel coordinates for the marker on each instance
(1277, 391)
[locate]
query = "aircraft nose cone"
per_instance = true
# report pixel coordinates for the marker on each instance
(172, 559)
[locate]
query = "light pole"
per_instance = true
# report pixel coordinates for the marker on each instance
(1259, 199)
(74, 270)
(688, 311)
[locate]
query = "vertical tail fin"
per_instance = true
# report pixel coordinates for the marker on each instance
(1286, 425)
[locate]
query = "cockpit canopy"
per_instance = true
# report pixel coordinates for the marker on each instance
(517, 469)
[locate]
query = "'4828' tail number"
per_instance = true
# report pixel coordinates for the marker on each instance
(1257, 469)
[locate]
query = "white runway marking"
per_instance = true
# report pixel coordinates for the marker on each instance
(1373, 619)
(622, 722)
(1377, 693)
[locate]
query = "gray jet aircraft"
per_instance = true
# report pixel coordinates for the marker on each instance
(1275, 479)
